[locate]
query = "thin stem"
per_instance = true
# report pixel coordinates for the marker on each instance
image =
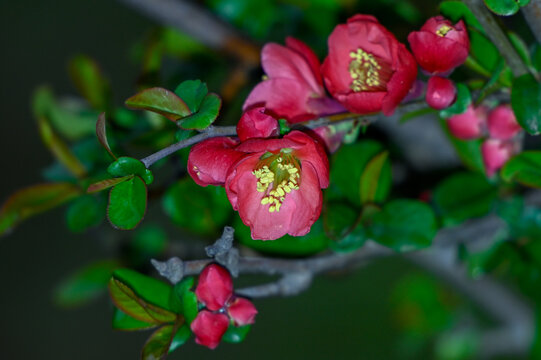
(497, 36)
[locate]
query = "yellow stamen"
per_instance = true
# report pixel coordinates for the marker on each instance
(443, 30)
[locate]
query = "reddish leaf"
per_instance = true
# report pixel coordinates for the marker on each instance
(161, 101)
(101, 133)
(107, 183)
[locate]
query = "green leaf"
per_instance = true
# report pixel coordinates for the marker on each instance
(84, 213)
(207, 113)
(106, 184)
(348, 165)
(375, 183)
(161, 101)
(203, 210)
(520, 46)
(457, 10)
(524, 168)
(502, 7)
(536, 57)
(185, 299)
(85, 284)
(157, 345)
(338, 219)
(236, 334)
(180, 338)
(127, 203)
(192, 92)
(526, 103)
(463, 99)
(126, 166)
(469, 151)
(403, 225)
(34, 200)
(87, 77)
(463, 196)
(101, 133)
(122, 321)
(350, 242)
(483, 50)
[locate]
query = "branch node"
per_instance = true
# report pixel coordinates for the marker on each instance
(223, 244)
(172, 269)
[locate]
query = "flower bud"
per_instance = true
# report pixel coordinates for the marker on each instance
(440, 93)
(469, 124)
(502, 123)
(495, 154)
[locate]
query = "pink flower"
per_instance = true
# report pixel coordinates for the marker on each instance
(440, 46)
(495, 154)
(215, 291)
(367, 69)
(440, 93)
(469, 124)
(294, 88)
(502, 123)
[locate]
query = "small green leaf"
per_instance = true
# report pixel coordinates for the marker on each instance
(483, 50)
(192, 92)
(127, 166)
(375, 183)
(457, 10)
(34, 200)
(524, 168)
(106, 184)
(463, 99)
(403, 225)
(157, 345)
(86, 284)
(463, 196)
(502, 7)
(205, 116)
(520, 46)
(526, 103)
(122, 321)
(236, 334)
(185, 299)
(87, 77)
(84, 213)
(127, 203)
(101, 133)
(180, 338)
(161, 101)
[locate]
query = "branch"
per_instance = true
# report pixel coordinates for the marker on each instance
(497, 36)
(532, 15)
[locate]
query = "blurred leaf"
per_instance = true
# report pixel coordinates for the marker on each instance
(107, 183)
(84, 213)
(520, 46)
(414, 114)
(161, 101)
(457, 10)
(192, 92)
(502, 7)
(463, 99)
(127, 203)
(469, 151)
(122, 321)
(34, 200)
(403, 225)
(85, 284)
(207, 113)
(351, 241)
(101, 133)
(236, 334)
(483, 51)
(536, 57)
(375, 183)
(157, 345)
(458, 344)
(150, 241)
(203, 210)
(87, 77)
(338, 219)
(180, 338)
(186, 299)
(524, 168)
(491, 83)
(463, 196)
(526, 103)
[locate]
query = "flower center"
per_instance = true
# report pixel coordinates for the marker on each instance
(443, 30)
(368, 72)
(277, 175)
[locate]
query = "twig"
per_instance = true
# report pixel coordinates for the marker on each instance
(532, 15)
(497, 36)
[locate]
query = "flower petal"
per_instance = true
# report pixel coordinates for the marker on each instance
(242, 311)
(209, 328)
(254, 123)
(215, 287)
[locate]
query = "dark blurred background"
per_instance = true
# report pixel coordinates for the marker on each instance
(341, 316)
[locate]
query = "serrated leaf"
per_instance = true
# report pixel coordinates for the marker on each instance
(127, 203)
(85, 284)
(84, 213)
(463, 196)
(236, 334)
(34, 200)
(122, 321)
(161, 101)
(375, 183)
(205, 116)
(526, 103)
(524, 168)
(87, 77)
(192, 92)
(463, 99)
(403, 225)
(157, 345)
(502, 7)
(106, 184)
(101, 133)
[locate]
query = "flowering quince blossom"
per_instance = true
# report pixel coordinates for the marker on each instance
(275, 184)
(502, 123)
(440, 93)
(293, 89)
(367, 69)
(468, 125)
(495, 154)
(215, 291)
(440, 46)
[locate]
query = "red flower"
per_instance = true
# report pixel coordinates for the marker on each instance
(294, 89)
(495, 154)
(440, 92)
(367, 69)
(502, 123)
(439, 47)
(468, 125)
(215, 291)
